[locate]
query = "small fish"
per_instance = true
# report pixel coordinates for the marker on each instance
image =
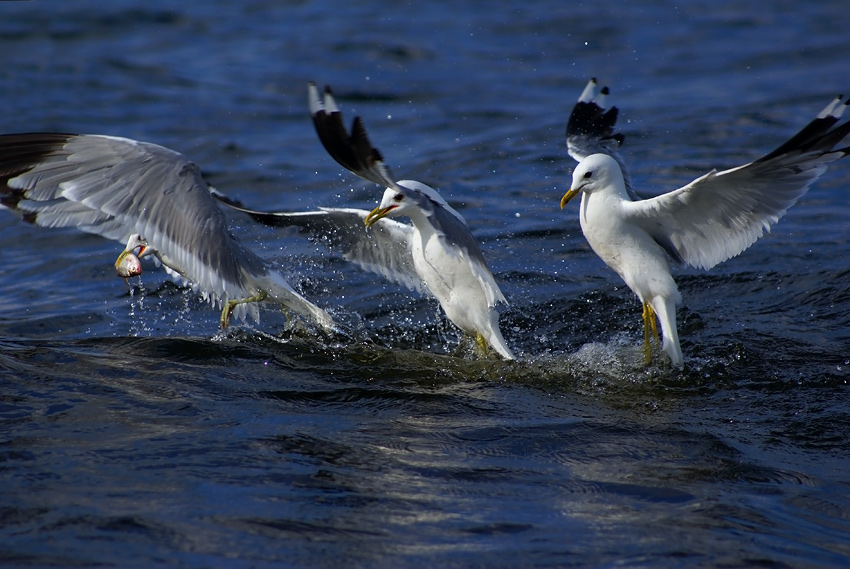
(128, 264)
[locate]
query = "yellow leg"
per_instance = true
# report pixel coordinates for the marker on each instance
(649, 324)
(653, 321)
(481, 343)
(231, 304)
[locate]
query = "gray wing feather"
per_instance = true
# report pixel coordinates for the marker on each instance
(446, 221)
(455, 234)
(720, 214)
(356, 153)
(383, 248)
(115, 187)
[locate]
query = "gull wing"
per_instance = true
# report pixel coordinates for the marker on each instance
(485, 277)
(115, 187)
(590, 128)
(720, 214)
(356, 153)
(383, 248)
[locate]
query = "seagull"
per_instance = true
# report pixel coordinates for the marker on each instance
(118, 188)
(713, 218)
(437, 254)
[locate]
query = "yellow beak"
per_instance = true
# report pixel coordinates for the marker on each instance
(377, 214)
(568, 196)
(126, 252)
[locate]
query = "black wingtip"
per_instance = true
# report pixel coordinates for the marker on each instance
(332, 134)
(227, 200)
(269, 219)
(619, 138)
(19, 153)
(589, 118)
(817, 136)
(368, 156)
(354, 151)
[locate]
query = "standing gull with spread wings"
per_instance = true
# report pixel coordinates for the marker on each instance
(703, 223)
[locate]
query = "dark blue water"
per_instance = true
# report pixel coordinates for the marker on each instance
(134, 434)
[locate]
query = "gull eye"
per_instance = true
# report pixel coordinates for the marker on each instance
(398, 197)
(588, 174)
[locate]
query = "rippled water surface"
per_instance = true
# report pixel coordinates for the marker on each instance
(134, 434)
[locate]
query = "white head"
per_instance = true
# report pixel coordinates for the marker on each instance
(595, 172)
(410, 198)
(393, 204)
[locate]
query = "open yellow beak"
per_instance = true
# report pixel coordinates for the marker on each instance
(568, 196)
(377, 214)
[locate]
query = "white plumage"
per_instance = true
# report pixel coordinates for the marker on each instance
(713, 218)
(436, 254)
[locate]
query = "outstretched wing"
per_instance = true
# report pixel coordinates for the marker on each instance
(383, 248)
(116, 187)
(720, 214)
(356, 153)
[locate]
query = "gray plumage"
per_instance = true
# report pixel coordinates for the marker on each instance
(384, 248)
(355, 153)
(116, 187)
